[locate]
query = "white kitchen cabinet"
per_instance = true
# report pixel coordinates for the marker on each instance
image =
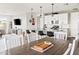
(58, 19)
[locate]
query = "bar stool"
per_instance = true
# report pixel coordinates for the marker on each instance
(28, 32)
(50, 34)
(33, 31)
(41, 33)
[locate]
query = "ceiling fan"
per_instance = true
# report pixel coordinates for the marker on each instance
(52, 13)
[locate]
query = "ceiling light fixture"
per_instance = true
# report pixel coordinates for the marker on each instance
(53, 10)
(40, 11)
(51, 13)
(31, 12)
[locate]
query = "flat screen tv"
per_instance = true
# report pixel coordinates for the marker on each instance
(17, 21)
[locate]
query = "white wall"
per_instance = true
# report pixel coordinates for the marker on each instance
(23, 22)
(74, 23)
(9, 18)
(6, 19)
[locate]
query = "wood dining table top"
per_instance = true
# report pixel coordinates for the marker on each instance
(59, 48)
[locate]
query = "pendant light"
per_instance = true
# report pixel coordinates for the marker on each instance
(40, 11)
(40, 16)
(52, 8)
(53, 13)
(32, 17)
(31, 12)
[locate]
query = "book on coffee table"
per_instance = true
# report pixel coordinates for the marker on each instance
(42, 46)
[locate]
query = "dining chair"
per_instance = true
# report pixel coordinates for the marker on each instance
(28, 35)
(33, 31)
(41, 33)
(34, 35)
(2, 46)
(50, 34)
(60, 35)
(68, 49)
(12, 40)
(74, 46)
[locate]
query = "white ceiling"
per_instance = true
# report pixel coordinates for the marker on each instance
(23, 8)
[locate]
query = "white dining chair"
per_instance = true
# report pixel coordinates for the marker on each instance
(2, 47)
(12, 40)
(74, 46)
(68, 49)
(60, 35)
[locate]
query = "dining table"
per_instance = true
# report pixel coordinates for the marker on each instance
(59, 48)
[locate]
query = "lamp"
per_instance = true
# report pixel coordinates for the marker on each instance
(31, 15)
(52, 8)
(40, 11)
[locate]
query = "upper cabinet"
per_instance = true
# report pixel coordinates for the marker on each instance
(63, 18)
(60, 20)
